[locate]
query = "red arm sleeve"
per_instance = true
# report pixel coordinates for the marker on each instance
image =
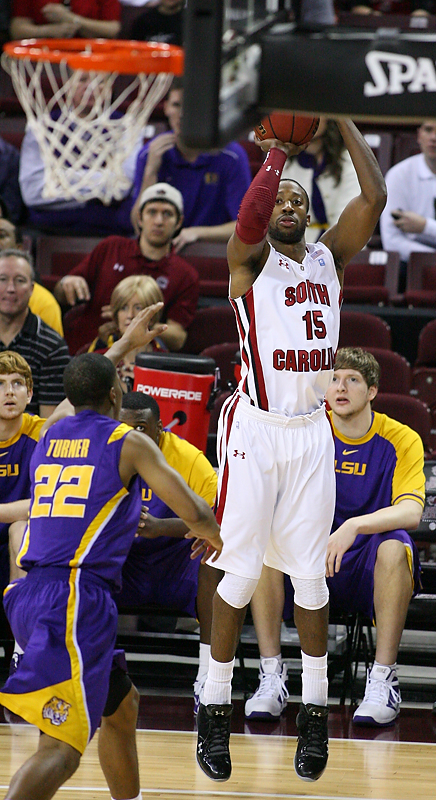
(258, 202)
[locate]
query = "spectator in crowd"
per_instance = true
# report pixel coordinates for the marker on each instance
(326, 172)
(408, 223)
(212, 183)
(161, 23)
(372, 563)
(57, 20)
(25, 333)
(42, 302)
(57, 215)
(128, 298)
(9, 186)
(19, 433)
(159, 568)
(93, 280)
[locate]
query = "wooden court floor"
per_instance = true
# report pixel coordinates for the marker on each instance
(381, 767)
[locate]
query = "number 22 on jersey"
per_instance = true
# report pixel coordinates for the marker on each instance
(56, 486)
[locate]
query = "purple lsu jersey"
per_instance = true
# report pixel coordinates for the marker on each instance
(378, 470)
(15, 455)
(81, 514)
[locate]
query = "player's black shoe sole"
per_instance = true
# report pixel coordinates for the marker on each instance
(313, 747)
(213, 754)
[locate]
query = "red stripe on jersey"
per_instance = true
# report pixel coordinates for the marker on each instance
(226, 408)
(221, 500)
(256, 364)
(241, 332)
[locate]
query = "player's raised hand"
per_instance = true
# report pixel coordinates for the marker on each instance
(289, 148)
(137, 334)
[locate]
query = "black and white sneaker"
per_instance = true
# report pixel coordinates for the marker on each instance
(313, 745)
(213, 754)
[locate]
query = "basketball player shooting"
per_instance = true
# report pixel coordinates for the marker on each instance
(276, 489)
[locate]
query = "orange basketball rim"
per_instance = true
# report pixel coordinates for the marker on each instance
(102, 55)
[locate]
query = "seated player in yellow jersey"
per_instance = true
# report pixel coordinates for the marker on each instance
(372, 563)
(159, 569)
(19, 434)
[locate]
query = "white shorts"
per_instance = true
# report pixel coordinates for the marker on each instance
(276, 490)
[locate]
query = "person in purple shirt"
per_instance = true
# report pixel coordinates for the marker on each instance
(212, 184)
(10, 192)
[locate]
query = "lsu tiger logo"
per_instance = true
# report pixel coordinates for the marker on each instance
(56, 710)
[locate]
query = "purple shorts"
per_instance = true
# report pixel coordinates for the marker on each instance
(65, 620)
(160, 571)
(352, 588)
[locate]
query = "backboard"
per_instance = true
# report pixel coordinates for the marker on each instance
(245, 57)
(222, 66)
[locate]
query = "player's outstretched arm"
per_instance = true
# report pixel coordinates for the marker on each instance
(141, 455)
(247, 249)
(359, 218)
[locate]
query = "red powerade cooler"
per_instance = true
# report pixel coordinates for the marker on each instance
(184, 387)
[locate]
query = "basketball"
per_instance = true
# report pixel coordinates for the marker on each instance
(287, 128)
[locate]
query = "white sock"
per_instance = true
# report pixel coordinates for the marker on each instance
(138, 797)
(203, 660)
(218, 686)
(267, 663)
(18, 649)
(314, 677)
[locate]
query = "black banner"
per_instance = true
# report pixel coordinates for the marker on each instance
(380, 75)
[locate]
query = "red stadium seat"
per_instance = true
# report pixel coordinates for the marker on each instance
(210, 261)
(426, 355)
(408, 410)
(381, 144)
(57, 255)
(372, 277)
(424, 370)
(71, 324)
(224, 357)
(396, 374)
(424, 385)
(405, 145)
(359, 329)
(211, 325)
(421, 280)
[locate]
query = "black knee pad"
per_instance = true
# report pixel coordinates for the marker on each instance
(119, 687)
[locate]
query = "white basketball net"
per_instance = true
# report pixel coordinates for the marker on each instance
(84, 146)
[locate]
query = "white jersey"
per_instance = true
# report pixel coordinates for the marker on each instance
(288, 326)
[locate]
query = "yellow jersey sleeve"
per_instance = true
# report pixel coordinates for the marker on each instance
(191, 464)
